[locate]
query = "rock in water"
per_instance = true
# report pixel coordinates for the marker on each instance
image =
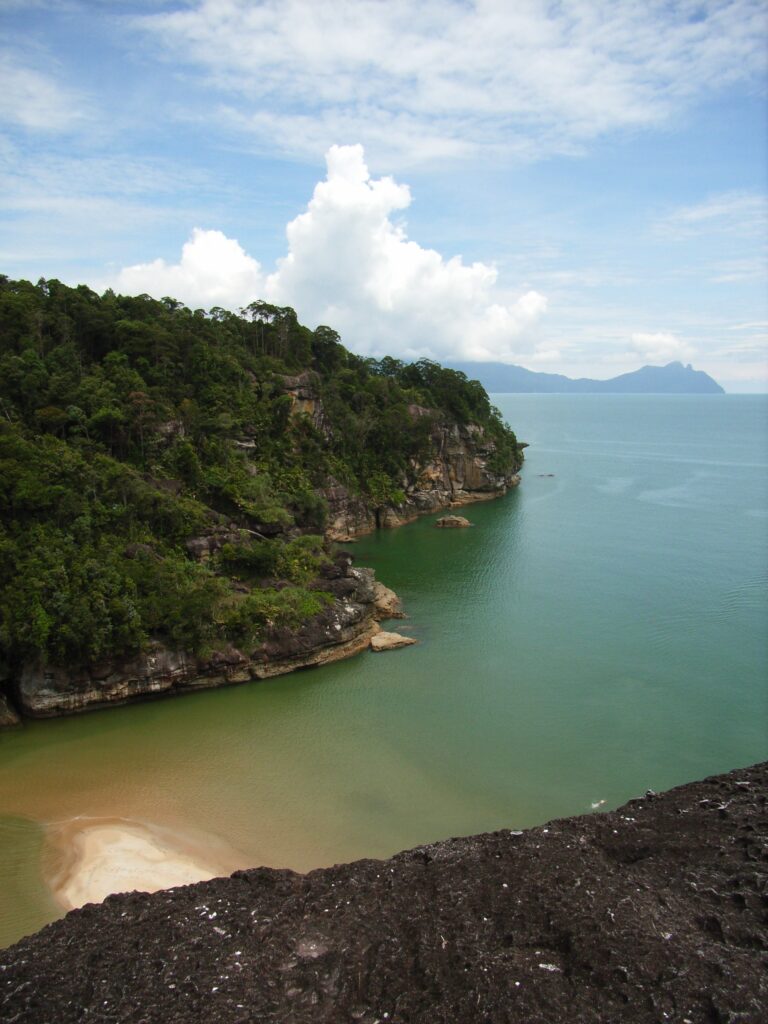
(453, 522)
(390, 641)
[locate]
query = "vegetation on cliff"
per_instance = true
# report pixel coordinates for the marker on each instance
(159, 478)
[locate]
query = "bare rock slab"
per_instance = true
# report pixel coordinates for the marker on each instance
(390, 641)
(650, 914)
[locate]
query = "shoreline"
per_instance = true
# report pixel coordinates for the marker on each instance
(87, 859)
(654, 905)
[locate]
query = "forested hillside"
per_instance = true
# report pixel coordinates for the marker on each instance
(130, 426)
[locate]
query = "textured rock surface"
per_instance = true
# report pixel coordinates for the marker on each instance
(343, 629)
(390, 641)
(388, 605)
(653, 913)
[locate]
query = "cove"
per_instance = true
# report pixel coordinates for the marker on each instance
(598, 632)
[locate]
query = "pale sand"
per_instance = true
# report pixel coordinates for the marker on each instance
(89, 858)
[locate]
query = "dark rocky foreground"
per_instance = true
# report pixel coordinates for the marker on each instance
(656, 912)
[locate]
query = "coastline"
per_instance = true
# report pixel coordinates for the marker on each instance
(88, 859)
(625, 915)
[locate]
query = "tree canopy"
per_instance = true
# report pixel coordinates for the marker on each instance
(129, 426)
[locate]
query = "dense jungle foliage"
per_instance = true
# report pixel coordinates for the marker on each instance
(129, 426)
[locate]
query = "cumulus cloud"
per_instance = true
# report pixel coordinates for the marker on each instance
(661, 347)
(213, 271)
(446, 77)
(351, 266)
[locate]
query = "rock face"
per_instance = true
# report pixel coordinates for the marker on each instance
(652, 913)
(388, 604)
(303, 390)
(455, 472)
(343, 629)
(453, 522)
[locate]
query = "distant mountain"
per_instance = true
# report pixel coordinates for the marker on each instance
(672, 379)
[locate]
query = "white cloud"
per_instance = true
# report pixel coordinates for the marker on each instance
(729, 213)
(446, 77)
(661, 347)
(35, 100)
(349, 265)
(745, 269)
(213, 271)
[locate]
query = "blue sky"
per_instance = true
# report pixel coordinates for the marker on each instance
(578, 187)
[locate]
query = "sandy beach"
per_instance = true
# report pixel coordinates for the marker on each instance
(87, 859)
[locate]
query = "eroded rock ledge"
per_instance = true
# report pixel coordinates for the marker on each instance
(655, 912)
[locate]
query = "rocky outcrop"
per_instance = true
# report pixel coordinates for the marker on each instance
(387, 603)
(652, 913)
(456, 469)
(305, 400)
(453, 522)
(342, 629)
(455, 472)
(390, 641)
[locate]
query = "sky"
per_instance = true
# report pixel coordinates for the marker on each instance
(575, 186)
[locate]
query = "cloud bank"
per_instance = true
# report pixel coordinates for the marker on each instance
(445, 78)
(351, 266)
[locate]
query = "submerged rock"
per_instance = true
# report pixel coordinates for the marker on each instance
(390, 641)
(652, 913)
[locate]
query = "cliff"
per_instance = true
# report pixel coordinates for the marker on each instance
(654, 912)
(455, 466)
(343, 628)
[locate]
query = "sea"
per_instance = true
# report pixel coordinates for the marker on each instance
(600, 631)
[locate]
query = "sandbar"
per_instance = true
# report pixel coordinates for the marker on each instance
(87, 859)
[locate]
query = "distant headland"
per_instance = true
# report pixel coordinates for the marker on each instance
(672, 379)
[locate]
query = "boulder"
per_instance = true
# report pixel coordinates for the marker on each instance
(390, 641)
(453, 522)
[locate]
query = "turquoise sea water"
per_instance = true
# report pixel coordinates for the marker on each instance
(600, 631)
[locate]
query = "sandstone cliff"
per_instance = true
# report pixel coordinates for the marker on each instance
(455, 471)
(652, 913)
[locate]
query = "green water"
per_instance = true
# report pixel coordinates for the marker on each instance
(599, 632)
